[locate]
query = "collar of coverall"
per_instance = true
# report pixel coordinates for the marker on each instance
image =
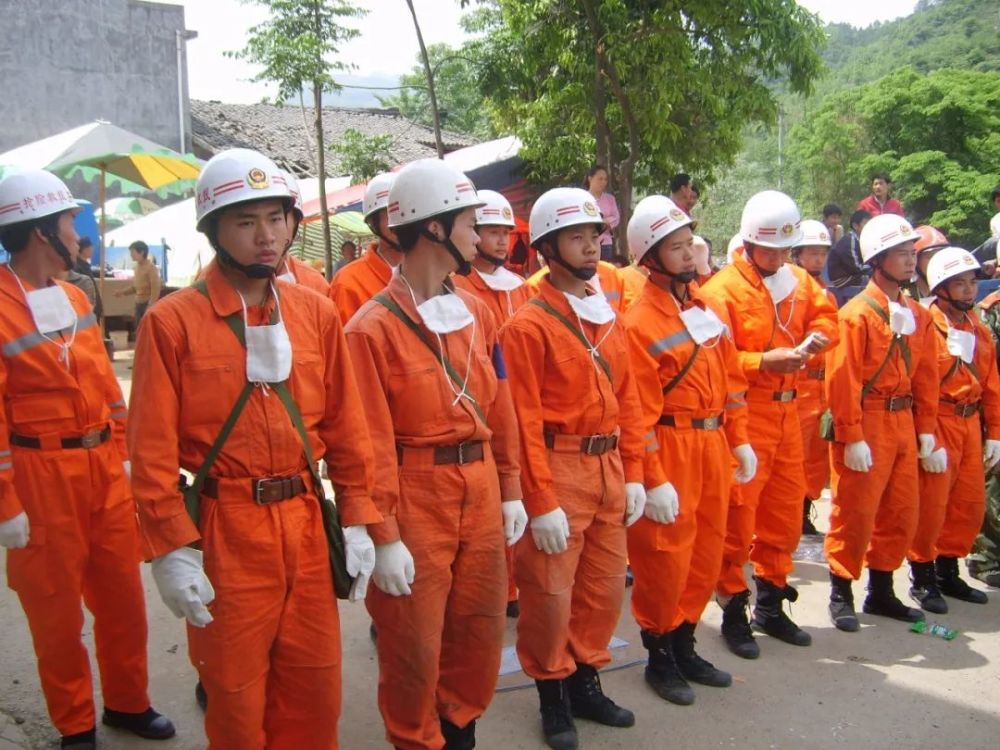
(224, 298)
(748, 270)
(553, 296)
(9, 286)
(875, 291)
(659, 295)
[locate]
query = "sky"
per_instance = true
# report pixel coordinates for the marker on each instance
(387, 45)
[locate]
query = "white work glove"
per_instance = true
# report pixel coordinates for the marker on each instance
(183, 585)
(662, 504)
(936, 463)
(991, 454)
(127, 467)
(14, 532)
(927, 443)
(858, 456)
(515, 521)
(360, 554)
(747, 460)
(394, 570)
(635, 502)
(551, 531)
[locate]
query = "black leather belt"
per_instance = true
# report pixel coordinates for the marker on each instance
(266, 490)
(445, 455)
(708, 423)
(899, 403)
(819, 374)
(90, 440)
(962, 410)
(590, 445)
(783, 396)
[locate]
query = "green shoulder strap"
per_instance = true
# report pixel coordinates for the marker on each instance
(676, 379)
(390, 304)
(605, 365)
(903, 346)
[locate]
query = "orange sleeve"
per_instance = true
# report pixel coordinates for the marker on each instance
(749, 362)
(153, 440)
(990, 380)
(524, 350)
(736, 395)
(843, 379)
(346, 299)
(502, 420)
(10, 503)
(632, 441)
(117, 407)
(646, 374)
(344, 432)
(371, 372)
(925, 379)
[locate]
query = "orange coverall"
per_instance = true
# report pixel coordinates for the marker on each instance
(608, 276)
(633, 280)
(676, 566)
(767, 511)
(308, 276)
(952, 504)
(270, 660)
(571, 602)
(84, 543)
(874, 514)
(810, 401)
(358, 282)
(439, 647)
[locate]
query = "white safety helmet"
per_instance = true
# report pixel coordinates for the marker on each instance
(948, 263)
(654, 217)
(427, 188)
(292, 182)
(814, 233)
(735, 243)
(884, 232)
(496, 212)
(559, 208)
(237, 175)
(377, 193)
(33, 194)
(771, 219)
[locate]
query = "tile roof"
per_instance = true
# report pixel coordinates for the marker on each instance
(281, 132)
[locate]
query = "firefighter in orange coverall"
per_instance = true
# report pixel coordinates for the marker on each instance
(607, 280)
(66, 514)
(502, 291)
(952, 503)
(581, 460)
(882, 389)
(433, 386)
(810, 400)
(252, 574)
(779, 317)
(692, 392)
(360, 280)
(291, 269)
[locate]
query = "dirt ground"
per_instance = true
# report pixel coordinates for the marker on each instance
(882, 687)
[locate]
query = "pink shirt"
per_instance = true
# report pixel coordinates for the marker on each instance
(609, 209)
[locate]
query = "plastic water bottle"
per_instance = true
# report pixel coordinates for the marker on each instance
(934, 628)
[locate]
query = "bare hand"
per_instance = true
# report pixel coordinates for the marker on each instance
(783, 360)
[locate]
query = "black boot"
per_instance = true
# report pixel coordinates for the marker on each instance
(951, 584)
(458, 739)
(842, 604)
(149, 724)
(81, 741)
(692, 666)
(736, 627)
(662, 672)
(882, 600)
(588, 701)
(925, 590)
(513, 609)
(557, 721)
(808, 527)
(769, 616)
(200, 696)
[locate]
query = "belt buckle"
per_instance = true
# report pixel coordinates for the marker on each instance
(711, 423)
(258, 493)
(91, 440)
(460, 448)
(894, 401)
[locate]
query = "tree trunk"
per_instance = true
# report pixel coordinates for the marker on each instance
(321, 157)
(430, 82)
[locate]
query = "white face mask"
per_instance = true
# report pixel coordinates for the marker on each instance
(443, 313)
(51, 309)
(901, 319)
(592, 308)
(502, 280)
(781, 283)
(269, 350)
(961, 344)
(702, 325)
(288, 276)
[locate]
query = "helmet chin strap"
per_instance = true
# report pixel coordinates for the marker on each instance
(373, 225)
(960, 305)
(60, 248)
(464, 266)
(584, 274)
(251, 271)
(491, 259)
(760, 271)
(675, 280)
(893, 279)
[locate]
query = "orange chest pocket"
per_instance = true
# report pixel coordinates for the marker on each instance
(41, 413)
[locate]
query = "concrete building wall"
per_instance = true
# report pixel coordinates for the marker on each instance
(65, 63)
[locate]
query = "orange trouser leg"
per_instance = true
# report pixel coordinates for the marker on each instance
(677, 565)
(873, 514)
(84, 545)
(511, 583)
(815, 450)
(967, 498)
(571, 602)
(439, 648)
(270, 660)
(765, 515)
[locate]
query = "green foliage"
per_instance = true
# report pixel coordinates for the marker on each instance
(938, 135)
(296, 46)
(364, 156)
(457, 87)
